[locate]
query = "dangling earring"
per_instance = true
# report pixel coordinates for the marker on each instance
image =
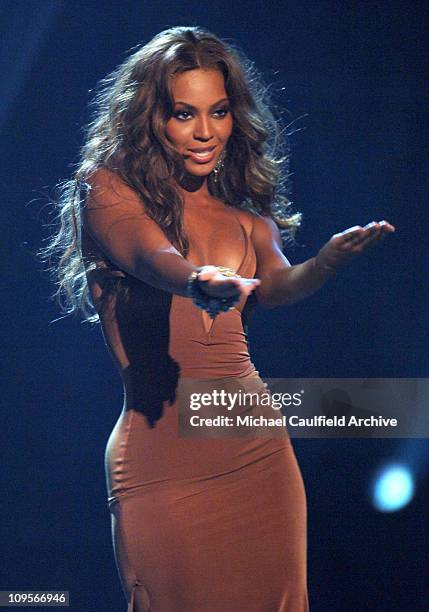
(219, 166)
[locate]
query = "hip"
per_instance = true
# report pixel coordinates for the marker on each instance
(138, 454)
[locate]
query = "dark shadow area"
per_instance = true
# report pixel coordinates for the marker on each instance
(142, 316)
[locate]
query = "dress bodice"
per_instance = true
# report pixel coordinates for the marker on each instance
(155, 336)
(214, 348)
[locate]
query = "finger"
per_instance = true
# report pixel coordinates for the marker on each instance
(383, 225)
(349, 233)
(382, 233)
(358, 238)
(358, 230)
(380, 225)
(369, 231)
(379, 233)
(239, 280)
(354, 245)
(355, 241)
(252, 286)
(251, 281)
(248, 285)
(347, 238)
(243, 286)
(370, 240)
(369, 225)
(386, 226)
(246, 291)
(208, 273)
(374, 232)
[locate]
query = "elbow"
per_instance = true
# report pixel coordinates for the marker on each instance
(263, 298)
(271, 294)
(270, 301)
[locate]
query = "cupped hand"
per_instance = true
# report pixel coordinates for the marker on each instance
(216, 284)
(349, 243)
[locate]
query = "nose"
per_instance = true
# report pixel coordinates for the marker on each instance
(203, 130)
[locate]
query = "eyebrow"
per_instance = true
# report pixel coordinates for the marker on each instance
(193, 107)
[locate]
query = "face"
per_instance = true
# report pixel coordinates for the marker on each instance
(201, 123)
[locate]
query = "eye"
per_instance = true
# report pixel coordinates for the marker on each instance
(184, 115)
(222, 112)
(179, 115)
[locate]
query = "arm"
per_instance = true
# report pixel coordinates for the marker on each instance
(282, 283)
(115, 218)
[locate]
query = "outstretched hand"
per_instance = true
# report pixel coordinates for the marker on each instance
(352, 241)
(214, 283)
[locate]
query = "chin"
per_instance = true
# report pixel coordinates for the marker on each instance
(199, 170)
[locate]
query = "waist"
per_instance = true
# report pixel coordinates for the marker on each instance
(222, 368)
(221, 357)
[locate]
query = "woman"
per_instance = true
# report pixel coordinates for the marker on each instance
(170, 235)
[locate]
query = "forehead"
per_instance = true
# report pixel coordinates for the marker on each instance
(198, 86)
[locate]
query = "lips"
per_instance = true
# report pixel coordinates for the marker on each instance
(202, 155)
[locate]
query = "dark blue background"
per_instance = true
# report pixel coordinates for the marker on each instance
(354, 75)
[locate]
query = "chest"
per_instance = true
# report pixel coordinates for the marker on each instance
(216, 237)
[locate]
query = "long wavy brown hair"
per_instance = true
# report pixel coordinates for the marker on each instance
(126, 134)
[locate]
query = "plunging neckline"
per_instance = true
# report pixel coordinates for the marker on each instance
(207, 322)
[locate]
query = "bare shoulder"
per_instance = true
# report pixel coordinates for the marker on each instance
(99, 177)
(103, 180)
(261, 229)
(107, 191)
(247, 219)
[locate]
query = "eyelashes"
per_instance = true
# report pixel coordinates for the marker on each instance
(179, 114)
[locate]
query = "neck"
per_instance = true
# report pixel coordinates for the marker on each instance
(193, 187)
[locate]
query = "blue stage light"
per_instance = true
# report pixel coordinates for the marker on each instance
(393, 488)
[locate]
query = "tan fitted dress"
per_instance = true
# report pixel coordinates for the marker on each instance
(198, 524)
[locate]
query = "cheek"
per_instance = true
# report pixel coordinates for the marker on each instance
(226, 128)
(176, 133)
(169, 131)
